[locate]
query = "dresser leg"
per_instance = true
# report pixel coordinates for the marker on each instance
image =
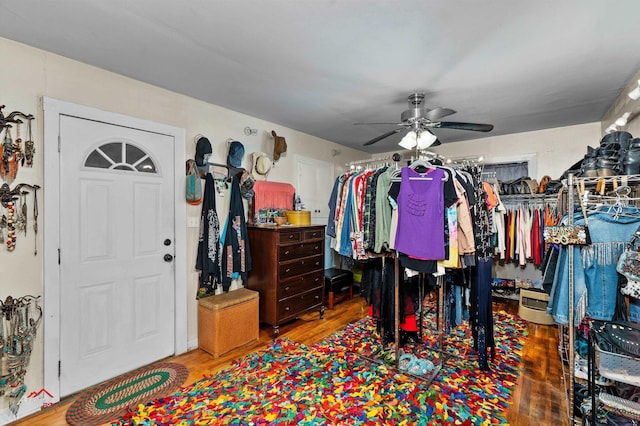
(276, 331)
(321, 311)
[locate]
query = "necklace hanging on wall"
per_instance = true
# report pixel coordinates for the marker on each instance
(3, 225)
(15, 215)
(12, 154)
(29, 145)
(9, 165)
(11, 233)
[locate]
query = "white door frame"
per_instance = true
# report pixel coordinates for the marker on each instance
(53, 109)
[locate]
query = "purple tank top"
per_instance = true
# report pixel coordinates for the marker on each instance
(420, 231)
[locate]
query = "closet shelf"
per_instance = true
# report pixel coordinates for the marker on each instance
(620, 179)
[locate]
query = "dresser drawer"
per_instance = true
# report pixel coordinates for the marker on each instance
(300, 284)
(293, 306)
(296, 251)
(290, 236)
(299, 267)
(313, 235)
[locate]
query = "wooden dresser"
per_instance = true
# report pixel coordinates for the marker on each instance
(287, 271)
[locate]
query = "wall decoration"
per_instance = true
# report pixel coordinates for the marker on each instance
(14, 214)
(12, 155)
(19, 323)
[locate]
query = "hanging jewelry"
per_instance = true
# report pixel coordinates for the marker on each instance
(29, 146)
(17, 145)
(3, 225)
(35, 218)
(21, 221)
(7, 153)
(11, 233)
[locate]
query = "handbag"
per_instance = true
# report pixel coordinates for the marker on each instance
(569, 234)
(566, 235)
(619, 337)
(522, 185)
(553, 187)
(193, 187)
(629, 266)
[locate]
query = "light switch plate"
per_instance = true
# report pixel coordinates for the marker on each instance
(193, 222)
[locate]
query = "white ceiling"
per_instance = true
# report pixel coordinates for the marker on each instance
(319, 66)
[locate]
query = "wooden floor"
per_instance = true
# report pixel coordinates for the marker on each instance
(537, 400)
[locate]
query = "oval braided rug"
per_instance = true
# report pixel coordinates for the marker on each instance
(111, 399)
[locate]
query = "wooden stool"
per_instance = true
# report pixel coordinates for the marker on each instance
(338, 284)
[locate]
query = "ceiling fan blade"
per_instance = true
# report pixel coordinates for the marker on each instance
(385, 135)
(397, 124)
(463, 126)
(438, 113)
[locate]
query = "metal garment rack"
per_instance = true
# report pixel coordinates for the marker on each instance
(572, 183)
(439, 324)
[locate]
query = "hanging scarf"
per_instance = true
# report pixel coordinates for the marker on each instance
(208, 259)
(236, 252)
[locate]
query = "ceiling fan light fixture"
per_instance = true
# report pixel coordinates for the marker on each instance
(409, 141)
(426, 139)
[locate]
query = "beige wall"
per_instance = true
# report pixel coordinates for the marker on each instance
(552, 150)
(34, 73)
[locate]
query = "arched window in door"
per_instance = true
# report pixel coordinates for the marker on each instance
(120, 156)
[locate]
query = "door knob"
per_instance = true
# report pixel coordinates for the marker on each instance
(168, 257)
(167, 242)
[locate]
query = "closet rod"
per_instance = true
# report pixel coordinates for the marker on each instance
(528, 197)
(394, 157)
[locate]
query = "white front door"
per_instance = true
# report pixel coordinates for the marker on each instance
(117, 275)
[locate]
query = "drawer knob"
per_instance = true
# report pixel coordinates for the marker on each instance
(316, 248)
(287, 288)
(287, 308)
(286, 252)
(291, 237)
(288, 270)
(302, 263)
(317, 297)
(317, 279)
(317, 263)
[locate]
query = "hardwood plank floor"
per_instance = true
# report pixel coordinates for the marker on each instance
(537, 400)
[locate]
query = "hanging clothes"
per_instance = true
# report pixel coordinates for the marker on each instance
(236, 250)
(208, 257)
(421, 214)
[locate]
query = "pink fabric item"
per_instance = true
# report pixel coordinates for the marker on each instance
(275, 195)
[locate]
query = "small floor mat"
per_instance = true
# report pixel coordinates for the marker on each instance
(113, 398)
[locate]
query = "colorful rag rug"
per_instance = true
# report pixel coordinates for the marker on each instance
(115, 397)
(292, 384)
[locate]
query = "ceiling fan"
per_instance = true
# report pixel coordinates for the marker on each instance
(421, 119)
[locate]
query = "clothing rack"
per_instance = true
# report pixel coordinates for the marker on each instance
(353, 165)
(579, 183)
(439, 323)
(427, 155)
(370, 162)
(490, 175)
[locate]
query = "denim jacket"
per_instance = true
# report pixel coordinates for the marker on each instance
(594, 266)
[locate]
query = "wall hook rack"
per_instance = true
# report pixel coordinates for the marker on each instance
(6, 120)
(7, 194)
